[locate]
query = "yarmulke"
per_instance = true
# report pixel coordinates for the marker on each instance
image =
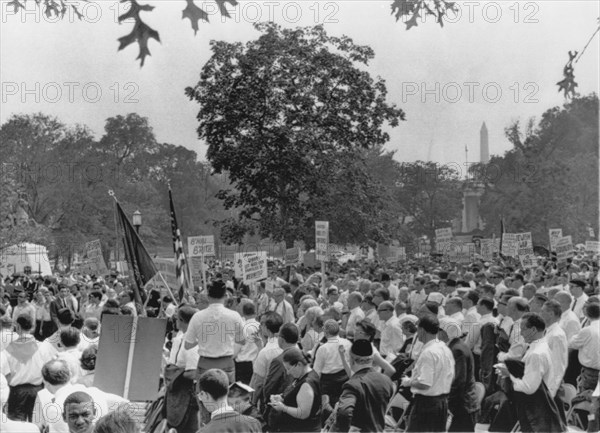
(579, 283)
(362, 348)
(450, 283)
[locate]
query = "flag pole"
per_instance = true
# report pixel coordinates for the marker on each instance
(168, 288)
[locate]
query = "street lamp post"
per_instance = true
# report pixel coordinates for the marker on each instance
(137, 221)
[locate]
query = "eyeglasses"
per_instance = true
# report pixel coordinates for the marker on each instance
(384, 309)
(502, 303)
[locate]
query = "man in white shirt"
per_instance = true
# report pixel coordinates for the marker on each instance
(21, 362)
(473, 341)
(454, 308)
(168, 306)
(328, 362)
(535, 412)
(50, 401)
(515, 309)
(576, 288)
(431, 380)
(569, 321)
(391, 287)
(282, 307)
(23, 307)
(246, 354)
(587, 341)
(270, 325)
(470, 300)
(355, 313)
(557, 342)
(69, 351)
(392, 337)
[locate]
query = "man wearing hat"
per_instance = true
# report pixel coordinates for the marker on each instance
(365, 396)
(431, 380)
(576, 287)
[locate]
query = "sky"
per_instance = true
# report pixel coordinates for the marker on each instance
(495, 62)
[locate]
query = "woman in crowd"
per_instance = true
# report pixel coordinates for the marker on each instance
(299, 406)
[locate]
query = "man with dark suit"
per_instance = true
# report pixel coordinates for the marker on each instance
(365, 395)
(277, 380)
(63, 300)
(214, 386)
(462, 401)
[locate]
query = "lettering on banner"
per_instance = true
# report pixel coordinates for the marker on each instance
(253, 266)
(564, 249)
(510, 244)
(555, 235)
(592, 246)
(201, 246)
(95, 261)
(322, 240)
(292, 256)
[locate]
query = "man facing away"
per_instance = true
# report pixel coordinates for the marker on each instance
(214, 387)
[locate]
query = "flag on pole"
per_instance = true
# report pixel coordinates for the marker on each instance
(141, 263)
(180, 267)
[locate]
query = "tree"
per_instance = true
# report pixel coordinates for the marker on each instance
(550, 178)
(429, 196)
(285, 115)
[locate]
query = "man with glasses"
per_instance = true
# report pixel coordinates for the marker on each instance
(392, 337)
(23, 307)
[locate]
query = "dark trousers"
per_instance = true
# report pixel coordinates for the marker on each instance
(44, 330)
(462, 421)
(244, 371)
(428, 414)
(21, 401)
(477, 366)
(331, 385)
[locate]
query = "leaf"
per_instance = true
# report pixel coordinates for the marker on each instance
(404, 7)
(223, 9)
(195, 14)
(16, 5)
(413, 21)
(141, 33)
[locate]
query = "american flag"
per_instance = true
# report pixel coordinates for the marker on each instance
(179, 254)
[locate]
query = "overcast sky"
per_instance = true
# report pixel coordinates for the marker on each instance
(446, 79)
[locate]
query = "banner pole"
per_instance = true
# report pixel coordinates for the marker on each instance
(203, 271)
(130, 358)
(168, 288)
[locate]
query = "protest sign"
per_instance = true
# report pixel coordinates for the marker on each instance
(528, 261)
(555, 235)
(293, 256)
(196, 269)
(199, 246)
(510, 245)
(592, 246)
(525, 244)
(488, 248)
(321, 240)
(442, 239)
(254, 266)
(166, 267)
(129, 356)
(95, 262)
(564, 249)
(461, 252)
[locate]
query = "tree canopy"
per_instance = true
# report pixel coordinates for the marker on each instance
(287, 116)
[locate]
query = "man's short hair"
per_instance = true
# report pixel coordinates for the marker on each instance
(248, 309)
(70, 337)
(217, 289)
(91, 323)
(77, 397)
(487, 303)
(289, 333)
(429, 324)
(534, 320)
(214, 382)
(521, 303)
(383, 293)
(368, 328)
(65, 316)
(117, 421)
(25, 322)
(432, 307)
(456, 301)
(56, 372)
(592, 310)
(96, 294)
(273, 321)
(356, 295)
(554, 307)
(472, 296)
(331, 327)
(186, 312)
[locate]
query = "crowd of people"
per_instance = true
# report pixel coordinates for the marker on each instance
(367, 346)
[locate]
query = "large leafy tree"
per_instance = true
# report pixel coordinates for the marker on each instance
(286, 116)
(429, 196)
(550, 177)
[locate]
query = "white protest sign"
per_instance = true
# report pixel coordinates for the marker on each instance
(488, 248)
(93, 252)
(199, 246)
(525, 244)
(592, 246)
(528, 261)
(254, 266)
(555, 235)
(196, 268)
(564, 249)
(442, 238)
(321, 240)
(510, 245)
(293, 256)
